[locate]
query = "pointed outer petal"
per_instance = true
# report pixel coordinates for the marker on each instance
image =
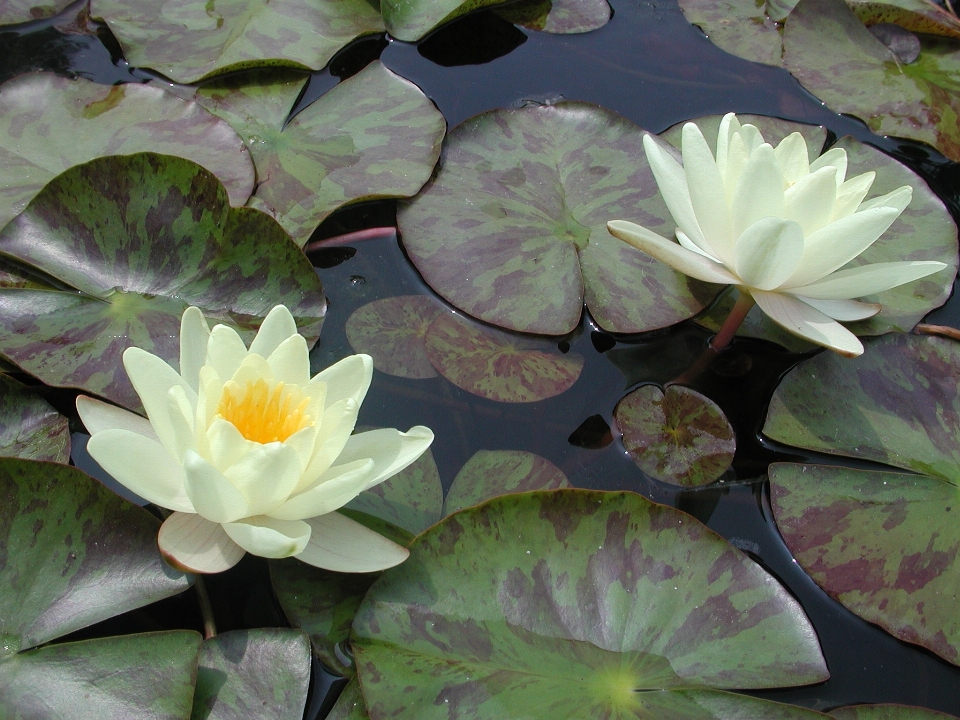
(143, 465)
(729, 128)
(349, 378)
(768, 252)
(844, 310)
(759, 193)
(867, 279)
(343, 545)
(269, 537)
(810, 201)
(691, 246)
(837, 157)
(266, 476)
(752, 138)
(332, 490)
(194, 336)
(390, 449)
(225, 350)
(707, 194)
(795, 316)
(182, 413)
(669, 252)
(290, 362)
(225, 444)
(277, 326)
(213, 496)
(152, 378)
(98, 416)
(673, 188)
(898, 198)
(838, 243)
(851, 193)
(334, 431)
(792, 157)
(192, 543)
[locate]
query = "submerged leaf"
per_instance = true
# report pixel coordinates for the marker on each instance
(392, 331)
(29, 427)
(491, 473)
(18, 11)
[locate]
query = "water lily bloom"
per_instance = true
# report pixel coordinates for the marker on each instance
(777, 226)
(249, 452)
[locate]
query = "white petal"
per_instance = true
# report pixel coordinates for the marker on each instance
(707, 193)
(844, 310)
(851, 193)
(752, 139)
(269, 537)
(340, 544)
(332, 490)
(791, 154)
(666, 251)
(98, 416)
(208, 400)
(277, 326)
(335, 429)
(811, 200)
(194, 544)
(834, 157)
(182, 412)
(801, 319)
(729, 128)
(290, 362)
(225, 351)
(868, 279)
(152, 378)
(143, 465)
(768, 252)
(673, 189)
(899, 199)
(266, 476)
(390, 449)
(737, 158)
(194, 336)
(252, 368)
(349, 378)
(213, 496)
(691, 246)
(759, 194)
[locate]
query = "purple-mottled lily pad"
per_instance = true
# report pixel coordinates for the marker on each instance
(566, 603)
(498, 365)
(920, 16)
(375, 135)
(105, 120)
(188, 40)
(29, 427)
(148, 676)
(888, 712)
(141, 237)
(740, 27)
(349, 705)
(513, 228)
(884, 544)
(491, 473)
(558, 16)
(18, 11)
(678, 435)
(391, 331)
(411, 20)
(245, 674)
(74, 554)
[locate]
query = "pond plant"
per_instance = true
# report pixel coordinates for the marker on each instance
(231, 265)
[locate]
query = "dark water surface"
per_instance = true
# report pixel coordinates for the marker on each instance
(653, 67)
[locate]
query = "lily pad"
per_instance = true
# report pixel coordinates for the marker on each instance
(141, 237)
(740, 27)
(74, 554)
(558, 16)
(18, 11)
(573, 603)
(888, 712)
(349, 705)
(491, 473)
(392, 331)
(676, 435)
(513, 228)
(105, 120)
(375, 135)
(29, 427)
(246, 674)
(189, 40)
(149, 677)
(497, 365)
(884, 544)
(919, 16)
(411, 20)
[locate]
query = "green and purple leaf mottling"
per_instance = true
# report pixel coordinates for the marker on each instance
(888, 712)
(18, 11)
(411, 20)
(392, 331)
(29, 427)
(491, 473)
(349, 705)
(558, 16)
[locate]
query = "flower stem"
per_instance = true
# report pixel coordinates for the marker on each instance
(350, 237)
(206, 609)
(941, 330)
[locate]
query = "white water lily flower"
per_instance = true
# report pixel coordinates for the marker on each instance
(249, 452)
(777, 226)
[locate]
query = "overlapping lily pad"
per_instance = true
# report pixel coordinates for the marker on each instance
(18, 11)
(920, 16)
(558, 16)
(578, 603)
(491, 473)
(29, 427)
(887, 712)
(141, 237)
(411, 20)
(392, 331)
(375, 135)
(885, 544)
(349, 705)
(513, 228)
(188, 40)
(105, 120)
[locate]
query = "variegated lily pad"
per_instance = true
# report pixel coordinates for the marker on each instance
(919, 16)
(677, 435)
(888, 712)
(349, 705)
(574, 603)
(392, 331)
(497, 365)
(375, 135)
(29, 427)
(885, 544)
(740, 27)
(105, 120)
(558, 16)
(18, 11)
(513, 228)
(411, 20)
(141, 237)
(491, 473)
(188, 40)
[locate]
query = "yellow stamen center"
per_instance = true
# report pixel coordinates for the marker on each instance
(263, 413)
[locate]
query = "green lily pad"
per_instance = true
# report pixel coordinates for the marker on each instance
(148, 676)
(18, 11)
(375, 135)
(189, 40)
(740, 27)
(497, 365)
(411, 20)
(919, 16)
(888, 712)
(105, 120)
(391, 331)
(29, 427)
(884, 544)
(73, 554)
(513, 228)
(678, 435)
(349, 705)
(491, 473)
(558, 16)
(141, 237)
(574, 603)
(245, 674)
